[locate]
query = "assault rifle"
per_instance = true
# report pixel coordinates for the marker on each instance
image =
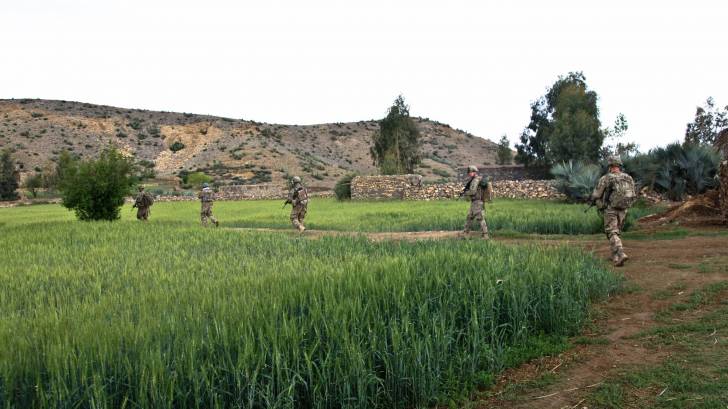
(592, 203)
(285, 203)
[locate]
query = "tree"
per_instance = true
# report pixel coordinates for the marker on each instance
(34, 183)
(396, 147)
(8, 177)
(504, 156)
(196, 179)
(564, 125)
(95, 189)
(613, 134)
(709, 120)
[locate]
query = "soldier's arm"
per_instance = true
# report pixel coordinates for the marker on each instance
(599, 190)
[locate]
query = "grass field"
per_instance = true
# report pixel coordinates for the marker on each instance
(169, 315)
(522, 216)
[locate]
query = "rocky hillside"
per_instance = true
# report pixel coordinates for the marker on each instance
(235, 151)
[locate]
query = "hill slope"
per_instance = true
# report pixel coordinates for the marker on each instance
(234, 151)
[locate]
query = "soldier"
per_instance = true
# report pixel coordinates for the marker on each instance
(614, 194)
(207, 196)
(143, 202)
(298, 198)
(478, 190)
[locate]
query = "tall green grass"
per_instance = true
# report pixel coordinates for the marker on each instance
(524, 216)
(127, 315)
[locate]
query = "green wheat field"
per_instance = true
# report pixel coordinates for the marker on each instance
(170, 315)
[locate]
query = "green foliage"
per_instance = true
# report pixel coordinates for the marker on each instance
(708, 121)
(176, 146)
(396, 148)
(33, 183)
(564, 125)
(196, 179)
(8, 177)
(576, 179)
(504, 156)
(613, 135)
(342, 189)
(676, 169)
(123, 313)
(95, 189)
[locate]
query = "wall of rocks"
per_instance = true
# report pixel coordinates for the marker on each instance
(723, 178)
(410, 187)
(509, 172)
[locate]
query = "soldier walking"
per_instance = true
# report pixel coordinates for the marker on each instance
(614, 194)
(478, 190)
(143, 202)
(207, 196)
(298, 198)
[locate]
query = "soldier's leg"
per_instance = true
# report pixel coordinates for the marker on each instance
(302, 214)
(212, 218)
(469, 218)
(611, 228)
(203, 215)
(483, 223)
(294, 218)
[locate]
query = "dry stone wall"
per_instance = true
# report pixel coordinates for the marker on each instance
(410, 187)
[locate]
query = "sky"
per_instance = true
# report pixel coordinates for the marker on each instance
(476, 65)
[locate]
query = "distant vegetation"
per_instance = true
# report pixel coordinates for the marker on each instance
(396, 145)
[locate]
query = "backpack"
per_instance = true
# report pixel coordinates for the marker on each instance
(486, 189)
(622, 194)
(147, 200)
(302, 195)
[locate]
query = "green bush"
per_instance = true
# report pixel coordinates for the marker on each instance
(177, 146)
(676, 169)
(8, 177)
(576, 179)
(95, 189)
(342, 189)
(196, 179)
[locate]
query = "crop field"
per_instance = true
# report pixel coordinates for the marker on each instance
(522, 216)
(170, 315)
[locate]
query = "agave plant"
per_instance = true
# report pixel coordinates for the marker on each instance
(576, 179)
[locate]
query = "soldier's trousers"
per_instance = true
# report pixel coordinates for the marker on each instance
(613, 225)
(298, 213)
(206, 213)
(143, 213)
(476, 212)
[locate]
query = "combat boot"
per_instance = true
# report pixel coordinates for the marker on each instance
(485, 236)
(620, 259)
(301, 229)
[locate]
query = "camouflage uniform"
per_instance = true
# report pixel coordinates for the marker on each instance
(298, 196)
(207, 197)
(143, 202)
(477, 195)
(614, 216)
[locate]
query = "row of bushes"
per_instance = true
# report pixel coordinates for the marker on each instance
(675, 170)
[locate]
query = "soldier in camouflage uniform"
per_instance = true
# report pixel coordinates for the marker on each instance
(143, 202)
(298, 198)
(613, 195)
(478, 190)
(207, 196)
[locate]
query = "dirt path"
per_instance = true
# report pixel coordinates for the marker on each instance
(659, 273)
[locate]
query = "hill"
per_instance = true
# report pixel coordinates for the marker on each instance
(235, 151)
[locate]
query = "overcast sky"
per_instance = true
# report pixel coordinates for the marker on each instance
(476, 65)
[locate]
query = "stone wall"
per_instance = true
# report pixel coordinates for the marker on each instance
(509, 172)
(409, 187)
(723, 178)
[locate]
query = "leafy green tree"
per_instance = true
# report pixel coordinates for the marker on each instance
(709, 120)
(342, 190)
(504, 156)
(196, 179)
(613, 135)
(8, 177)
(396, 148)
(34, 183)
(564, 125)
(95, 189)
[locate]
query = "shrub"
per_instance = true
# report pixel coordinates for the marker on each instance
(196, 179)
(95, 189)
(576, 179)
(441, 172)
(34, 183)
(342, 189)
(675, 170)
(8, 177)
(177, 146)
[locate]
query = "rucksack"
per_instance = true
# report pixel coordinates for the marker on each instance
(486, 188)
(302, 195)
(147, 200)
(622, 194)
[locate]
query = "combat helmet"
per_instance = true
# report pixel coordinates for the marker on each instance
(296, 179)
(614, 161)
(204, 185)
(472, 168)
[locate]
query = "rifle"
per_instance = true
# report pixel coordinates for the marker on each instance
(285, 203)
(592, 203)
